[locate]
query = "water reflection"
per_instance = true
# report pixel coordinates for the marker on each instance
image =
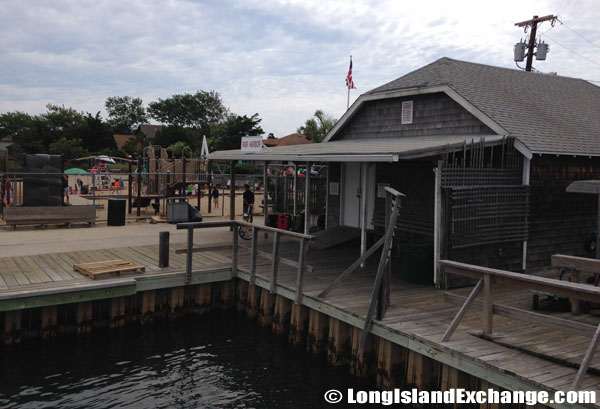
(219, 360)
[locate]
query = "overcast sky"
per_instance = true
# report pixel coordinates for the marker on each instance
(280, 59)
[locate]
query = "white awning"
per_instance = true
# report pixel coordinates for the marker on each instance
(362, 150)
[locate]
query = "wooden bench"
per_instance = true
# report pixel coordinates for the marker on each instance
(44, 215)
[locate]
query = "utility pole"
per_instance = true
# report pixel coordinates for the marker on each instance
(533, 23)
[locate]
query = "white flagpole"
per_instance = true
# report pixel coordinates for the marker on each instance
(348, 101)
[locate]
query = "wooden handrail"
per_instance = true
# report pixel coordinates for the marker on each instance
(207, 225)
(489, 276)
(275, 258)
(558, 287)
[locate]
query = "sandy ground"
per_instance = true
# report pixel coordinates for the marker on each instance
(220, 213)
(30, 240)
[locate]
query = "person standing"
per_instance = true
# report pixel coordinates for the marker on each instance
(8, 198)
(215, 196)
(65, 186)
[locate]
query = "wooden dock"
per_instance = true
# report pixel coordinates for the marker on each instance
(518, 356)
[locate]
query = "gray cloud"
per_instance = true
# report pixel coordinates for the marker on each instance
(282, 59)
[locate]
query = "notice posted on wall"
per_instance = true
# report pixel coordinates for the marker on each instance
(334, 188)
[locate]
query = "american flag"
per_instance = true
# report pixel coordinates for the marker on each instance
(349, 82)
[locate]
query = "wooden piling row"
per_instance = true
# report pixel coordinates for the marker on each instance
(389, 364)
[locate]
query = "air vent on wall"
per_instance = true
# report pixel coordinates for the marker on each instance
(407, 112)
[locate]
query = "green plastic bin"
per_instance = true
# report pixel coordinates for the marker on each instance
(418, 261)
(116, 212)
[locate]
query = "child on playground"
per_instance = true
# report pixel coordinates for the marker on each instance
(215, 195)
(8, 199)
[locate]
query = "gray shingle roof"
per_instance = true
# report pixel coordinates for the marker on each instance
(548, 113)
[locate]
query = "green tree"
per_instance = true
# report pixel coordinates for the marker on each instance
(196, 111)
(59, 122)
(169, 135)
(228, 134)
(177, 147)
(70, 148)
(95, 134)
(125, 114)
(318, 127)
(135, 146)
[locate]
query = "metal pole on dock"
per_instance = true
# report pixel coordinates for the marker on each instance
(129, 187)
(209, 180)
(139, 186)
(307, 199)
(232, 191)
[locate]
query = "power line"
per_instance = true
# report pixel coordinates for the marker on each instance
(586, 39)
(574, 52)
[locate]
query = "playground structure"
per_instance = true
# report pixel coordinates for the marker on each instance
(155, 176)
(166, 174)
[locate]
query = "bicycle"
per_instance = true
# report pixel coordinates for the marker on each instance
(245, 232)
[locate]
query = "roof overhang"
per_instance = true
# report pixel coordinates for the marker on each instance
(363, 150)
(361, 100)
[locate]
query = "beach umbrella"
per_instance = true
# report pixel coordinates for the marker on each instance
(105, 158)
(76, 171)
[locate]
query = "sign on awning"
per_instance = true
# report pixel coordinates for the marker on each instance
(251, 143)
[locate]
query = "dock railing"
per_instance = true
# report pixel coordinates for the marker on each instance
(488, 277)
(274, 256)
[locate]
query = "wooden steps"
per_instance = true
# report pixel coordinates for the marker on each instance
(100, 268)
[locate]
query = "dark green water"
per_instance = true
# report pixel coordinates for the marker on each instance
(220, 360)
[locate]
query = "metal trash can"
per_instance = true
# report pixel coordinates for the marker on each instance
(116, 212)
(178, 210)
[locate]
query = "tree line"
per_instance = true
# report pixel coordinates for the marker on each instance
(186, 119)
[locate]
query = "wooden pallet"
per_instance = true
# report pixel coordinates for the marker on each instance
(99, 268)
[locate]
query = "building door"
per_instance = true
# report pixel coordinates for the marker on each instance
(351, 197)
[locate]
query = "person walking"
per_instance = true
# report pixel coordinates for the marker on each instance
(248, 200)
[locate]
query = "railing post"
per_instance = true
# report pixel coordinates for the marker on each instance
(275, 262)
(575, 303)
(188, 261)
(253, 256)
(234, 249)
(300, 273)
(488, 305)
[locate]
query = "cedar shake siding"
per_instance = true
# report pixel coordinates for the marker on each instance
(433, 114)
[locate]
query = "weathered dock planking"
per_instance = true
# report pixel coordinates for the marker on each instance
(517, 355)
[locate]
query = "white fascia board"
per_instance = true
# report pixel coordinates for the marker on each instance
(525, 151)
(589, 155)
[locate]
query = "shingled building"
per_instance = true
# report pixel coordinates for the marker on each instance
(483, 154)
